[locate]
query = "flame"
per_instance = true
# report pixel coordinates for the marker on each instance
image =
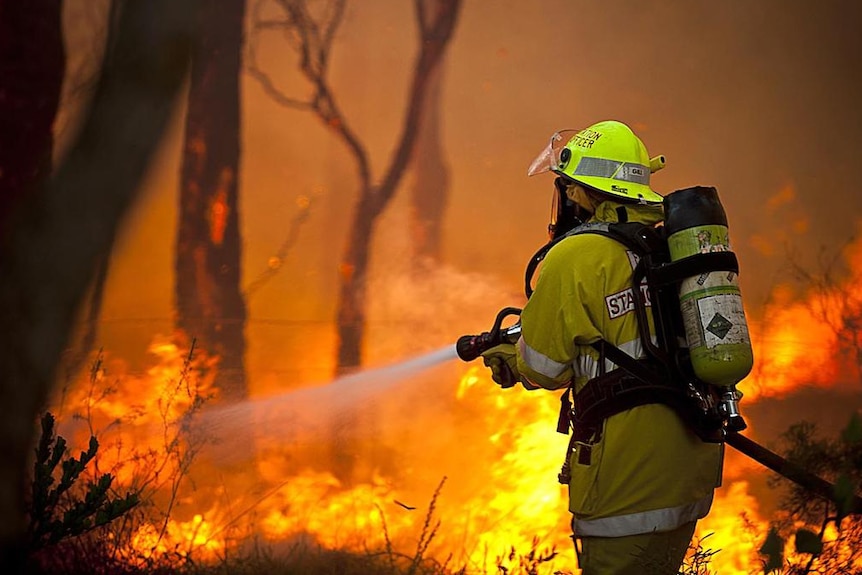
(183, 538)
(141, 410)
(316, 503)
(809, 341)
(218, 210)
(734, 528)
(796, 348)
(514, 509)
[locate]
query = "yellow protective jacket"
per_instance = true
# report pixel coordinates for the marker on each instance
(645, 470)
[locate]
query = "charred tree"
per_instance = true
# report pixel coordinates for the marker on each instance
(55, 228)
(311, 34)
(435, 30)
(429, 194)
(210, 307)
(78, 86)
(81, 347)
(31, 80)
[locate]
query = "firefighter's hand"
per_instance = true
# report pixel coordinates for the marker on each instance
(502, 361)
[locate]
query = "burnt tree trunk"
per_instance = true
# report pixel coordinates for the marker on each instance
(31, 78)
(352, 286)
(209, 304)
(55, 229)
(430, 193)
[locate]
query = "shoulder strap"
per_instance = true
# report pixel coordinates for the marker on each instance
(638, 237)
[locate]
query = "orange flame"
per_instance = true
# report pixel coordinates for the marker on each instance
(812, 341)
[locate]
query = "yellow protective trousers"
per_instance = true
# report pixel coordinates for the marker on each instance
(660, 553)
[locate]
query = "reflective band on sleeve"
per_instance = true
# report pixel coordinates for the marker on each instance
(588, 366)
(583, 365)
(538, 362)
(624, 171)
(656, 520)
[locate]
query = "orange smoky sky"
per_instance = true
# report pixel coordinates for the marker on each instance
(758, 99)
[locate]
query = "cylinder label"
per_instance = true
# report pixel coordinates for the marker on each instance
(699, 240)
(722, 320)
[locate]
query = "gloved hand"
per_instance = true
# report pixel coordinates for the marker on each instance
(502, 361)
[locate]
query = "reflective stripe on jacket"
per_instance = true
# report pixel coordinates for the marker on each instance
(646, 470)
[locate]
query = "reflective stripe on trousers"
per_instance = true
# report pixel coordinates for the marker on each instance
(665, 519)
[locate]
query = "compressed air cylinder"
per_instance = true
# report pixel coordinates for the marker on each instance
(715, 327)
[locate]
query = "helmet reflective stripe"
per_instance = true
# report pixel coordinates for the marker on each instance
(625, 171)
(666, 519)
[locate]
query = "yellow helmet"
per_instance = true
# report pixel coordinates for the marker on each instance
(607, 157)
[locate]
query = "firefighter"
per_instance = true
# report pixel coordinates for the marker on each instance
(639, 481)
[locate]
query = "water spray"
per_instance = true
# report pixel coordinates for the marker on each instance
(284, 417)
(386, 375)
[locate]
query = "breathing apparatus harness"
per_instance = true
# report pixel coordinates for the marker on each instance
(667, 373)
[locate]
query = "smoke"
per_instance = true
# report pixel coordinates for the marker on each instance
(753, 99)
(382, 413)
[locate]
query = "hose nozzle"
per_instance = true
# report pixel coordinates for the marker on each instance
(469, 347)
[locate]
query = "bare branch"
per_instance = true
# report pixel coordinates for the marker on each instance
(275, 262)
(334, 21)
(432, 42)
(421, 17)
(313, 47)
(834, 304)
(316, 31)
(273, 92)
(264, 79)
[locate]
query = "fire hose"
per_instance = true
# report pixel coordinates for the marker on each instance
(851, 504)
(470, 347)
